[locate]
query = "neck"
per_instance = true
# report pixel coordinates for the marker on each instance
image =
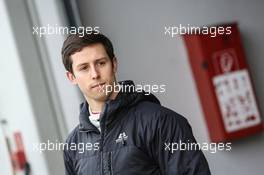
(97, 105)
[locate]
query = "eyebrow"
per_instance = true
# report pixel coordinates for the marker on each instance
(97, 60)
(101, 59)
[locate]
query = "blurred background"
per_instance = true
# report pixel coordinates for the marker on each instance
(38, 104)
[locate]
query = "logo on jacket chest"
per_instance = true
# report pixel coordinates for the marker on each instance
(122, 138)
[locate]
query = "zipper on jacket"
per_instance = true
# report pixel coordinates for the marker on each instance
(106, 161)
(110, 163)
(102, 125)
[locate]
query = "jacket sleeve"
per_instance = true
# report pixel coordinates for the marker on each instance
(69, 170)
(170, 147)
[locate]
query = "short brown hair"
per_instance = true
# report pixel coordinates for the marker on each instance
(76, 42)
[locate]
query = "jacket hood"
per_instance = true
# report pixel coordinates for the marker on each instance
(126, 98)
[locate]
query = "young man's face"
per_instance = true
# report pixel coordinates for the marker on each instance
(93, 71)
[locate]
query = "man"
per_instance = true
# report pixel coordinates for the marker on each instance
(124, 132)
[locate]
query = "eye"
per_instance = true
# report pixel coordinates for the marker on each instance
(101, 63)
(84, 68)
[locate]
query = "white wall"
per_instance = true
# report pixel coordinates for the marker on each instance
(15, 105)
(36, 97)
(68, 96)
(146, 55)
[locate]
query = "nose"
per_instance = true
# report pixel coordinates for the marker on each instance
(94, 73)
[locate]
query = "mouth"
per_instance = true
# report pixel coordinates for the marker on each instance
(97, 85)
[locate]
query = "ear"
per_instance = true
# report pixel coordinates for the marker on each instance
(71, 77)
(114, 64)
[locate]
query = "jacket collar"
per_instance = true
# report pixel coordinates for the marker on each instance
(110, 107)
(123, 100)
(85, 123)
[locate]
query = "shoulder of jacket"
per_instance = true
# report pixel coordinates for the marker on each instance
(156, 112)
(73, 135)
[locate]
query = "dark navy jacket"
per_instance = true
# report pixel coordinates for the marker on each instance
(136, 137)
